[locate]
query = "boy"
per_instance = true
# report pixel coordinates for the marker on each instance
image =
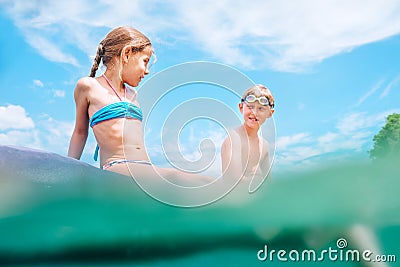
(244, 154)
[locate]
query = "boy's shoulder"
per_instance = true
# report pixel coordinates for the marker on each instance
(233, 136)
(234, 131)
(237, 133)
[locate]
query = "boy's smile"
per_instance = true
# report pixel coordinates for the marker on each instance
(253, 118)
(254, 114)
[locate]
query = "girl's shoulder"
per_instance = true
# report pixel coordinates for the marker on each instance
(87, 87)
(86, 83)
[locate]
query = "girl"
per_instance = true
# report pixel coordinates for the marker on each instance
(106, 105)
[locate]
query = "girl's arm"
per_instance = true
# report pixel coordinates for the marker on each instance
(80, 133)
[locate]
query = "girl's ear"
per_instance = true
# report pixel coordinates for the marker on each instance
(126, 53)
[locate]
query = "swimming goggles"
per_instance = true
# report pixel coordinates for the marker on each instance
(262, 100)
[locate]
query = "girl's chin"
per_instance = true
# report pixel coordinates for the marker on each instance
(133, 84)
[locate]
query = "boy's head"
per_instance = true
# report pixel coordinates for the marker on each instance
(258, 91)
(257, 105)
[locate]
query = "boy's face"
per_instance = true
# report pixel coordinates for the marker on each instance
(255, 114)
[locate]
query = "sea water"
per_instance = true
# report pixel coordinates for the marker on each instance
(58, 211)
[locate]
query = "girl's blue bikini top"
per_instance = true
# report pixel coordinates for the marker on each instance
(115, 110)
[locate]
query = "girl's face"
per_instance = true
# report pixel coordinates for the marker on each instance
(254, 114)
(136, 66)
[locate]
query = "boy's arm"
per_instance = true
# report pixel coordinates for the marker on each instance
(265, 162)
(231, 157)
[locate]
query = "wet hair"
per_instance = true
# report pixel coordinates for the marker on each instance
(115, 42)
(259, 90)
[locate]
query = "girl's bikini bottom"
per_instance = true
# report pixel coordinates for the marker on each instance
(121, 161)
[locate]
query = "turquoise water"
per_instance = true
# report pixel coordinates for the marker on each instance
(56, 211)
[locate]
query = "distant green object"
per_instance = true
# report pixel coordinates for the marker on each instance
(387, 141)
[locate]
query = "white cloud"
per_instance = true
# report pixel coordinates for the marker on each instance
(55, 134)
(56, 28)
(370, 92)
(353, 132)
(14, 117)
(296, 154)
(38, 83)
(56, 93)
(17, 128)
(59, 93)
(379, 86)
(327, 138)
(287, 35)
(390, 86)
(275, 34)
(285, 141)
(351, 124)
(28, 138)
(50, 50)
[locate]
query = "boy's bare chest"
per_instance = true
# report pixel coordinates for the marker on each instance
(251, 155)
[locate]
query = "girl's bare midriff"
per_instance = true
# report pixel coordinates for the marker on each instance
(120, 139)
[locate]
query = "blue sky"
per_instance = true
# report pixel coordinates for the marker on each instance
(333, 67)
